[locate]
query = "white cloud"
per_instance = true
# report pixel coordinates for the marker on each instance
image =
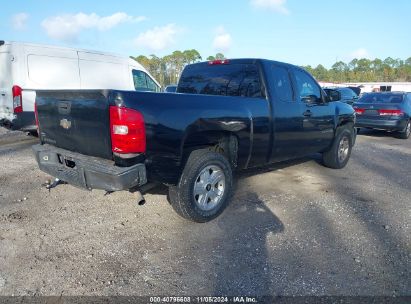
(68, 27)
(18, 21)
(274, 5)
(222, 41)
(359, 53)
(158, 38)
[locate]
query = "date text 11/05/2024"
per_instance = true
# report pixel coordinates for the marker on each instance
(203, 299)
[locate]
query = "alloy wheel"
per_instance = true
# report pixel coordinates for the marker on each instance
(209, 187)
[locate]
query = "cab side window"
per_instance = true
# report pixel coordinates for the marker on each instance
(282, 83)
(143, 82)
(307, 88)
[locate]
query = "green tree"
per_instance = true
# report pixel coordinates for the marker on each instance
(340, 67)
(406, 70)
(143, 60)
(309, 69)
(321, 73)
(377, 66)
(192, 56)
(339, 71)
(363, 65)
(353, 64)
(219, 56)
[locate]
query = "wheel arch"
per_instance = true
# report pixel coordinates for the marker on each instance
(223, 142)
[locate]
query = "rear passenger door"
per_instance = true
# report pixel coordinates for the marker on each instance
(317, 114)
(288, 131)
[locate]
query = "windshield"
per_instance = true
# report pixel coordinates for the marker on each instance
(381, 98)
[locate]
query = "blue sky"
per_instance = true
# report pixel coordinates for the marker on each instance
(296, 31)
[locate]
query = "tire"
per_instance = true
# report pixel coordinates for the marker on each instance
(339, 153)
(405, 134)
(204, 188)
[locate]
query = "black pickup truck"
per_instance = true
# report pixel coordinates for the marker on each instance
(226, 115)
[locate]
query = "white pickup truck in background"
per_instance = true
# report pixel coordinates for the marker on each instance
(25, 68)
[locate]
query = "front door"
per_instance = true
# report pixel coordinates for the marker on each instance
(317, 114)
(287, 122)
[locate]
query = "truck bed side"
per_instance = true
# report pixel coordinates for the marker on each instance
(176, 123)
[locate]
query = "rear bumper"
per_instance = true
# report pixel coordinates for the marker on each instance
(381, 124)
(86, 171)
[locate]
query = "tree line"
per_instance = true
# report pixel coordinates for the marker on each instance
(364, 70)
(167, 69)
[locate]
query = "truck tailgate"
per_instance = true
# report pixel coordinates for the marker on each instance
(75, 120)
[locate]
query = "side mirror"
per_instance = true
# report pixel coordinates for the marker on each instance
(170, 89)
(333, 95)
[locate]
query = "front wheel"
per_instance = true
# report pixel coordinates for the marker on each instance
(339, 153)
(204, 187)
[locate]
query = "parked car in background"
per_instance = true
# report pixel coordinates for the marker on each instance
(347, 94)
(231, 114)
(172, 88)
(25, 68)
(390, 111)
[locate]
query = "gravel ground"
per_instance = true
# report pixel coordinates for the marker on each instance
(295, 228)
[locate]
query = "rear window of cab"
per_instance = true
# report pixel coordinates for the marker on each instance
(222, 79)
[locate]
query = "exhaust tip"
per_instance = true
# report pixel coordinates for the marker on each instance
(140, 199)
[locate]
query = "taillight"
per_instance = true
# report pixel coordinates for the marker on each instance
(385, 112)
(17, 99)
(359, 111)
(219, 61)
(128, 134)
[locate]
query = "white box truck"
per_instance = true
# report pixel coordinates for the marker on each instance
(26, 67)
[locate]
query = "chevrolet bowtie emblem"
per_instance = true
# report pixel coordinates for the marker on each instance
(66, 124)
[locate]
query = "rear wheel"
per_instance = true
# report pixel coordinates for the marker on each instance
(204, 187)
(405, 134)
(339, 153)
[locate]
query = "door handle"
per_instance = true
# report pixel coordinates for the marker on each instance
(307, 113)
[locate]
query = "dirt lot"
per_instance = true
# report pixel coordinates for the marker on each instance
(295, 228)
